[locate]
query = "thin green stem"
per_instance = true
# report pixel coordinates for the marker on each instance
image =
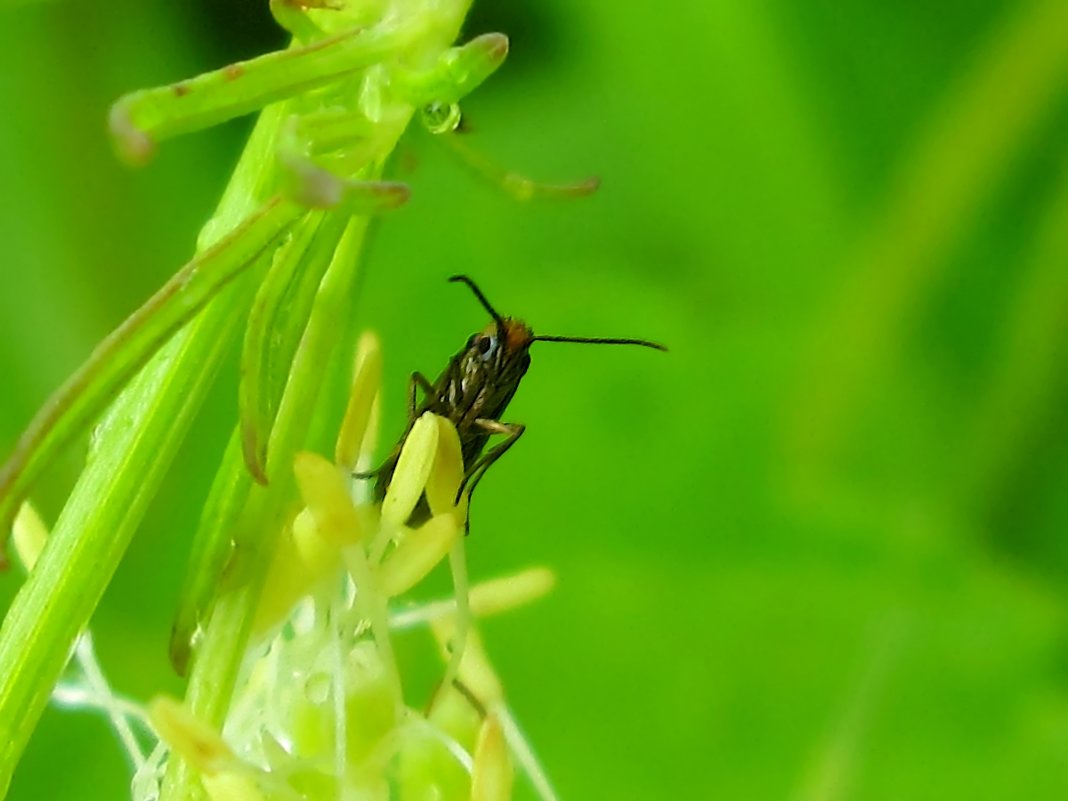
(209, 552)
(458, 641)
(142, 118)
(262, 376)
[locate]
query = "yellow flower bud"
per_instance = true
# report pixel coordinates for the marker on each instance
(30, 535)
(326, 495)
(447, 471)
(356, 424)
(493, 775)
(413, 468)
(417, 555)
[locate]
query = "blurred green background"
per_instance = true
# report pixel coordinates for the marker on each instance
(818, 551)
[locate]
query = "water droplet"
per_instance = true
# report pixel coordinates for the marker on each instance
(441, 118)
(96, 435)
(196, 637)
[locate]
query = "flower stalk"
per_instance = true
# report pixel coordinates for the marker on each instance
(320, 711)
(296, 692)
(284, 243)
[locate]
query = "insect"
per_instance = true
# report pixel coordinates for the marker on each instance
(473, 392)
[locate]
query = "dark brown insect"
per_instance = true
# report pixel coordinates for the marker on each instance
(473, 392)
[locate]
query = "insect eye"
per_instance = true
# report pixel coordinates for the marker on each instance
(486, 346)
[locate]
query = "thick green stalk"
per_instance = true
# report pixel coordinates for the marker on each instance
(219, 656)
(140, 434)
(85, 395)
(132, 450)
(217, 662)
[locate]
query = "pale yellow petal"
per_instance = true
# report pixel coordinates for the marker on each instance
(325, 493)
(29, 535)
(229, 786)
(448, 470)
(189, 736)
(366, 381)
(417, 554)
(503, 594)
(413, 467)
(476, 672)
(301, 558)
(224, 776)
(493, 775)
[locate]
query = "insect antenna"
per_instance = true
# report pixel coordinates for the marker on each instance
(463, 279)
(645, 343)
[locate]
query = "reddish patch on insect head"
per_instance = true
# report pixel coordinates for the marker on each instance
(517, 334)
(233, 72)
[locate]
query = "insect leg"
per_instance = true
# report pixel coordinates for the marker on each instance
(376, 472)
(420, 381)
(473, 475)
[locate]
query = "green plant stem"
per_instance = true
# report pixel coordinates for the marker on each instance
(219, 657)
(134, 445)
(85, 395)
(132, 451)
(242, 88)
(212, 545)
